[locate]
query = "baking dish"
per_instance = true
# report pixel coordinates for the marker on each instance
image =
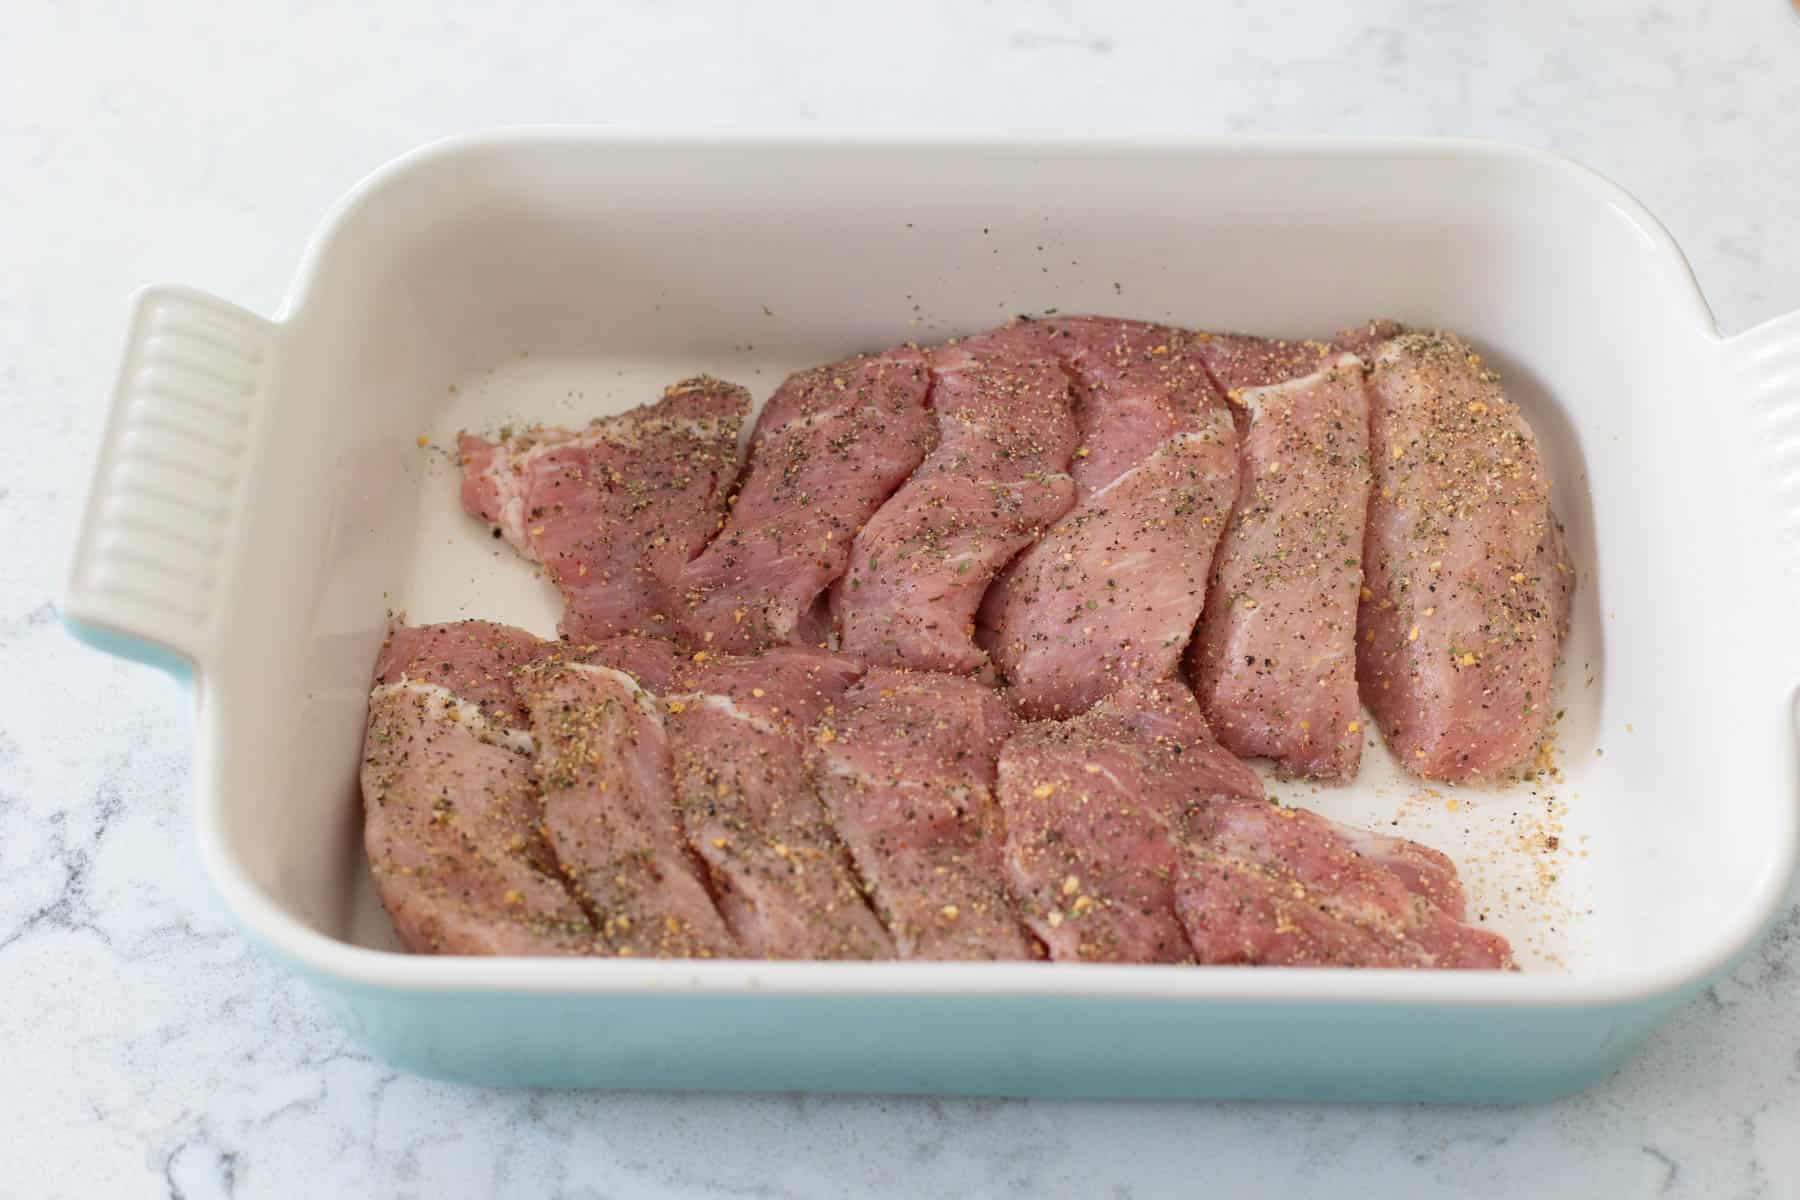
(261, 503)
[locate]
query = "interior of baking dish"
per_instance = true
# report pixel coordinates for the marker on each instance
(547, 281)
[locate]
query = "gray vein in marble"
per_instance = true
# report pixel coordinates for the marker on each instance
(1669, 1165)
(1041, 41)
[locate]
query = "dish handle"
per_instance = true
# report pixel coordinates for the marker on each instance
(161, 528)
(1766, 361)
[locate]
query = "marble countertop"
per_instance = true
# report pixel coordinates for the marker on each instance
(150, 1051)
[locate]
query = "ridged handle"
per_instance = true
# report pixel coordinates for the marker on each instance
(163, 519)
(1769, 357)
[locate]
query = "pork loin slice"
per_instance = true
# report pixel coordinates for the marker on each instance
(1238, 361)
(1095, 810)
(906, 767)
(1466, 593)
(615, 511)
(1366, 339)
(1274, 659)
(831, 445)
(1112, 592)
(452, 822)
(1280, 886)
(652, 661)
(739, 728)
(604, 769)
(1420, 869)
(996, 480)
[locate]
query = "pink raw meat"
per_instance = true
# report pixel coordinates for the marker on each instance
(1366, 339)
(1112, 592)
(739, 728)
(477, 661)
(997, 478)
(1096, 810)
(1466, 593)
(604, 770)
(1274, 659)
(906, 766)
(831, 445)
(1240, 360)
(615, 511)
(452, 820)
(1281, 886)
(652, 661)
(1419, 868)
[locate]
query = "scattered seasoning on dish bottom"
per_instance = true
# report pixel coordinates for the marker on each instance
(1516, 864)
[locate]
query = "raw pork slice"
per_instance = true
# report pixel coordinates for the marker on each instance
(1280, 886)
(1420, 869)
(830, 446)
(452, 822)
(615, 511)
(1274, 659)
(604, 770)
(1096, 810)
(1366, 340)
(1112, 592)
(1240, 360)
(906, 768)
(739, 728)
(997, 478)
(651, 661)
(1465, 597)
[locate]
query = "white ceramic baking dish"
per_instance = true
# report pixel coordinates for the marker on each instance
(261, 504)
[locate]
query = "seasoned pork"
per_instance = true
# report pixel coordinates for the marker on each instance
(830, 446)
(906, 767)
(1132, 836)
(1112, 592)
(1367, 339)
(604, 769)
(649, 660)
(1045, 519)
(615, 511)
(452, 821)
(1281, 886)
(739, 728)
(1096, 811)
(1239, 360)
(997, 478)
(1274, 659)
(1419, 868)
(1465, 599)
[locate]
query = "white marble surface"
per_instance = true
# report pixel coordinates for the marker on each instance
(148, 1051)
